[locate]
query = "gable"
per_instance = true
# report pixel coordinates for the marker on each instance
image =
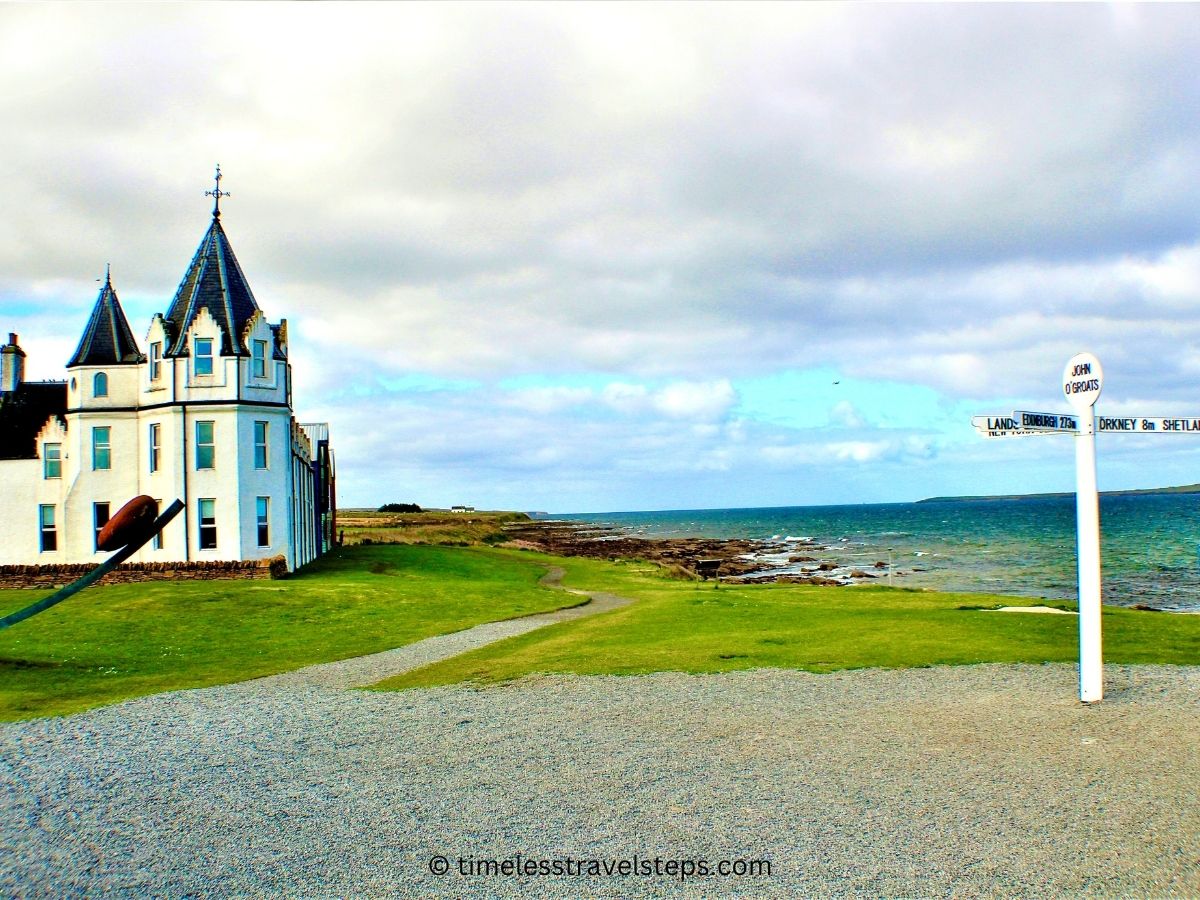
(23, 414)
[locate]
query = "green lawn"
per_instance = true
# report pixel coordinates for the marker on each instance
(110, 643)
(113, 642)
(690, 627)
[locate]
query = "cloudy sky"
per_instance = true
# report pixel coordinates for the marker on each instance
(581, 257)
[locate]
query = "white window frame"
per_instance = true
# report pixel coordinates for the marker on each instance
(99, 447)
(264, 445)
(259, 359)
(210, 445)
(155, 445)
(100, 385)
(156, 542)
(155, 360)
(97, 524)
(262, 520)
(51, 453)
(45, 528)
(212, 527)
(198, 357)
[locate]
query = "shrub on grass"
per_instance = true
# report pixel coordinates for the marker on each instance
(678, 572)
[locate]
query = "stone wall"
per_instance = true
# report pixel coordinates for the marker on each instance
(58, 575)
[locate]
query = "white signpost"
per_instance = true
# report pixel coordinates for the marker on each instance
(1083, 380)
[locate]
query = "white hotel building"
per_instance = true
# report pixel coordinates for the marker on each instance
(203, 415)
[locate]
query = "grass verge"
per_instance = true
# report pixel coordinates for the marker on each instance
(114, 642)
(366, 526)
(692, 627)
(110, 643)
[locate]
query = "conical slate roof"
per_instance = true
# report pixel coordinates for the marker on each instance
(214, 281)
(107, 340)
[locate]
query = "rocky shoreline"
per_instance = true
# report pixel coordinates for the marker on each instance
(785, 561)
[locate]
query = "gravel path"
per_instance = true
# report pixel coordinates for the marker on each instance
(364, 670)
(970, 781)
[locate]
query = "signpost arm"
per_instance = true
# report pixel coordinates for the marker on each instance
(1087, 517)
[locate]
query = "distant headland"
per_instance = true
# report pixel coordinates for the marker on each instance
(1180, 489)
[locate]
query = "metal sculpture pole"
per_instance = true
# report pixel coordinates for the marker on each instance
(96, 574)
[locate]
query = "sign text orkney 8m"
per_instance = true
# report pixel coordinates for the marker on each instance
(1083, 380)
(1148, 425)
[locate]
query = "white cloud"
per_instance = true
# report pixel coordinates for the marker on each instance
(702, 401)
(858, 452)
(657, 199)
(547, 400)
(844, 413)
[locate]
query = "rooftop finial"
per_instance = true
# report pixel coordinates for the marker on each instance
(216, 193)
(108, 274)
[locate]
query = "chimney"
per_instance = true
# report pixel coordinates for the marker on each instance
(12, 365)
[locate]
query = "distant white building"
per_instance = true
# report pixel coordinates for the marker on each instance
(204, 415)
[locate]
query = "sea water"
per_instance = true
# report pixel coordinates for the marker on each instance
(1150, 543)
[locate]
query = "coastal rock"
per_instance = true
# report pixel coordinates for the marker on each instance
(742, 561)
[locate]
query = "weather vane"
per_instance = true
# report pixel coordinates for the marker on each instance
(216, 193)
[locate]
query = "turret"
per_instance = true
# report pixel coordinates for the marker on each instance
(107, 340)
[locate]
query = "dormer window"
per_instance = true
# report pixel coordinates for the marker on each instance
(52, 460)
(155, 360)
(202, 356)
(100, 385)
(260, 359)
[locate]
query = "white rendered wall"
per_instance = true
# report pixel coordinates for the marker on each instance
(161, 484)
(20, 534)
(271, 482)
(232, 398)
(86, 485)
